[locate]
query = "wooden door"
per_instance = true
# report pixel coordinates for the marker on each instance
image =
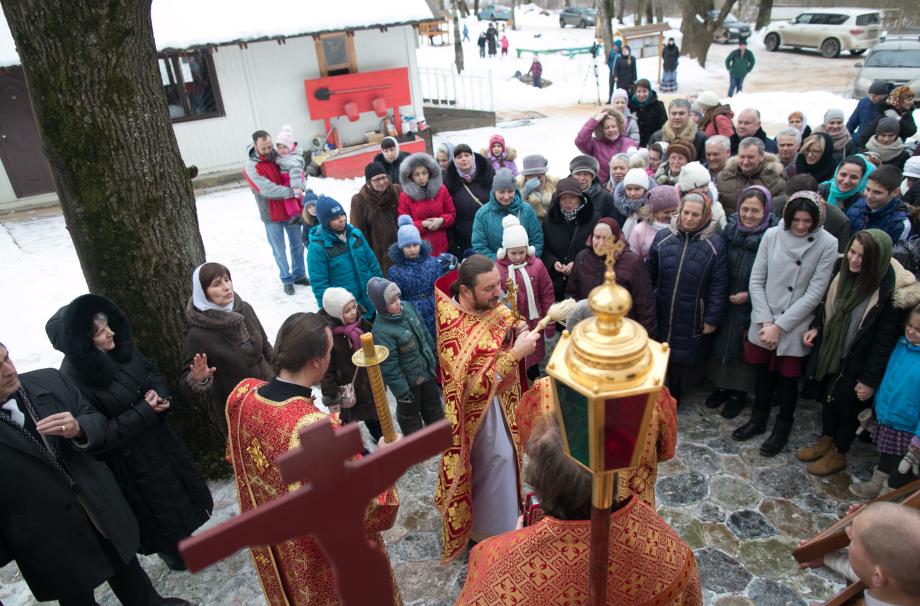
(20, 144)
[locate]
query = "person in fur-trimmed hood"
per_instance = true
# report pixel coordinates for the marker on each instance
(425, 198)
(536, 186)
(499, 155)
(517, 261)
(752, 166)
(151, 464)
(414, 270)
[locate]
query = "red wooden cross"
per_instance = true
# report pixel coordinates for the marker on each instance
(330, 506)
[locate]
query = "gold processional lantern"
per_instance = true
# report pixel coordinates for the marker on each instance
(606, 377)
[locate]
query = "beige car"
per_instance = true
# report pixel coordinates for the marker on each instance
(828, 30)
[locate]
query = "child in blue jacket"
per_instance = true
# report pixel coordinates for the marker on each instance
(414, 270)
(897, 411)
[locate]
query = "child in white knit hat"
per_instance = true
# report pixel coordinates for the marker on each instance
(517, 262)
(290, 161)
(630, 195)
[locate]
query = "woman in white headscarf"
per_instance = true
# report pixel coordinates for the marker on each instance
(225, 342)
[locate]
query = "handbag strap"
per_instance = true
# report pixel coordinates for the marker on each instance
(472, 195)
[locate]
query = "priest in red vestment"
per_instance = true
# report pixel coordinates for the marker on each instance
(264, 421)
(547, 564)
(479, 347)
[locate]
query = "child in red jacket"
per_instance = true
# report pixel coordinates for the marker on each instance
(425, 199)
(516, 260)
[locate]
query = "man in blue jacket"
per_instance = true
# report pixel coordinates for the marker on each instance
(867, 108)
(339, 255)
(612, 59)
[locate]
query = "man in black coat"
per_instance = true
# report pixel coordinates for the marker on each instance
(66, 523)
(748, 124)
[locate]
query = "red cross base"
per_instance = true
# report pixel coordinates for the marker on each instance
(330, 506)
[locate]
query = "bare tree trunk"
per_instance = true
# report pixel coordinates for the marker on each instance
(458, 46)
(131, 216)
(604, 14)
(463, 8)
(476, 7)
(513, 19)
(620, 11)
(697, 29)
(640, 9)
(763, 14)
(659, 11)
(649, 11)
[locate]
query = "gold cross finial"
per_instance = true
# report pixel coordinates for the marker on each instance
(613, 248)
(511, 296)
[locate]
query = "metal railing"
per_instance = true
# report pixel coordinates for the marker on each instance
(445, 88)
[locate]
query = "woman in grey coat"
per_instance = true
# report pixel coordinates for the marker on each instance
(791, 272)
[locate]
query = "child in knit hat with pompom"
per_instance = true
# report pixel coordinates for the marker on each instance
(346, 388)
(414, 270)
(656, 215)
(630, 195)
(290, 161)
(517, 261)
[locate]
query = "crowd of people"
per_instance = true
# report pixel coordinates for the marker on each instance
(779, 267)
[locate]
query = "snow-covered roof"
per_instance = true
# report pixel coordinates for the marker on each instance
(181, 24)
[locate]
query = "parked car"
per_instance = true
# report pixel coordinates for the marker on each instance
(732, 29)
(829, 30)
(895, 60)
(579, 16)
(494, 12)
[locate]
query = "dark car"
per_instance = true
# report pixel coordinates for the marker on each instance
(579, 16)
(732, 29)
(494, 12)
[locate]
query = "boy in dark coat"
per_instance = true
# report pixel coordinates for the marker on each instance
(410, 369)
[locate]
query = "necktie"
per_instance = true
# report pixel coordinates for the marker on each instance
(13, 408)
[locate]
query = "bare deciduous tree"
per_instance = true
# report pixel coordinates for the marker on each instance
(697, 28)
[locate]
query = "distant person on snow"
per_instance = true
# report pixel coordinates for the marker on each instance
(536, 72)
(739, 63)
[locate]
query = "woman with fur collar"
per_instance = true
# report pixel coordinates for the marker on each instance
(151, 464)
(425, 198)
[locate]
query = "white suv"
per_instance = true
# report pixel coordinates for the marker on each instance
(828, 30)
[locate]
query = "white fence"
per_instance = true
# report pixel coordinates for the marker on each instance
(444, 88)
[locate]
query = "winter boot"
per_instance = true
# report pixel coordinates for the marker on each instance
(734, 405)
(831, 462)
(717, 398)
(754, 427)
(807, 454)
(872, 488)
(777, 440)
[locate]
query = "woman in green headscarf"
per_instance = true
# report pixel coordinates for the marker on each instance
(853, 336)
(846, 187)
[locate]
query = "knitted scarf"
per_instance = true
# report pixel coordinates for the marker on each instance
(834, 195)
(841, 139)
(886, 152)
(532, 312)
(831, 352)
(352, 331)
(569, 215)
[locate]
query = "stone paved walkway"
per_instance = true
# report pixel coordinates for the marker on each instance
(740, 512)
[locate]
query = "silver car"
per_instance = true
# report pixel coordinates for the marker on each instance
(830, 30)
(896, 60)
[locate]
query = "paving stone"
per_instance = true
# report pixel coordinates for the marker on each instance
(813, 587)
(785, 482)
(719, 536)
(771, 558)
(733, 493)
(770, 593)
(789, 518)
(723, 443)
(686, 524)
(672, 468)
(682, 489)
(736, 466)
(423, 581)
(733, 600)
(749, 524)
(700, 458)
(710, 512)
(814, 502)
(414, 547)
(751, 455)
(721, 573)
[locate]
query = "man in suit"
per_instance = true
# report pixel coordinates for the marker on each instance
(66, 524)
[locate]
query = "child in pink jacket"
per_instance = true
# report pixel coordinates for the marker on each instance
(517, 259)
(656, 215)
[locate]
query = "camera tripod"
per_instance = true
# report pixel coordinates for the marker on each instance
(597, 83)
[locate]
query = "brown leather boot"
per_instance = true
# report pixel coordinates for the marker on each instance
(815, 451)
(831, 462)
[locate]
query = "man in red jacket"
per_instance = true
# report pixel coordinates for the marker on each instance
(264, 177)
